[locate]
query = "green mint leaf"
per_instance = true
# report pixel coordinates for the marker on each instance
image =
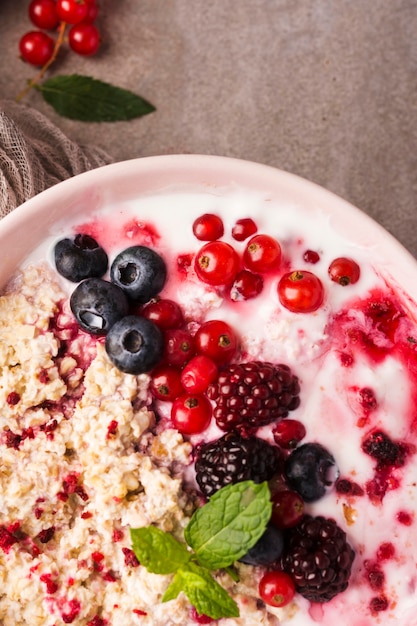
(231, 522)
(203, 592)
(174, 588)
(158, 551)
(90, 100)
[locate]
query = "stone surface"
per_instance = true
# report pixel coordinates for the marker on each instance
(326, 90)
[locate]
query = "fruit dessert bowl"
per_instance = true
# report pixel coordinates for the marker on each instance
(208, 379)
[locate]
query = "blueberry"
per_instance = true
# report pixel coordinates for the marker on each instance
(311, 470)
(140, 271)
(268, 548)
(97, 304)
(135, 344)
(79, 258)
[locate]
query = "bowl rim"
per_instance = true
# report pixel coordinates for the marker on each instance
(159, 170)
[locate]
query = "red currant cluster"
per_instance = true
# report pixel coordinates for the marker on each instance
(219, 264)
(38, 47)
(189, 365)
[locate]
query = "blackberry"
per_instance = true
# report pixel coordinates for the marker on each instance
(253, 394)
(379, 446)
(234, 458)
(318, 558)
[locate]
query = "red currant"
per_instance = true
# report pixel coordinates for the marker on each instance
(191, 414)
(247, 285)
(92, 11)
(344, 271)
(276, 588)
(262, 254)
(217, 263)
(243, 229)
(198, 374)
(288, 433)
(164, 313)
(300, 291)
(72, 11)
(42, 14)
(84, 38)
(311, 256)
(200, 618)
(217, 340)
(166, 382)
(179, 346)
(208, 227)
(36, 47)
(287, 509)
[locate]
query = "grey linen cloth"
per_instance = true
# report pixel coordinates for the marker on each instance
(35, 154)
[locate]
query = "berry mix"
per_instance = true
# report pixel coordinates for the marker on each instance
(150, 370)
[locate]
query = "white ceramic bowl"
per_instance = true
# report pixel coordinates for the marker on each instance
(24, 229)
(117, 188)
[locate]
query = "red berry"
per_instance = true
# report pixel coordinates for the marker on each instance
(311, 256)
(386, 551)
(42, 14)
(36, 47)
(72, 11)
(179, 346)
(217, 340)
(262, 254)
(166, 382)
(216, 263)
(198, 374)
(164, 313)
(288, 433)
(92, 11)
(13, 398)
(200, 618)
(243, 229)
(287, 509)
(276, 588)
(300, 291)
(191, 414)
(184, 262)
(344, 271)
(247, 285)
(208, 227)
(84, 38)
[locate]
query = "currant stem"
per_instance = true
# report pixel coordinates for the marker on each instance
(40, 75)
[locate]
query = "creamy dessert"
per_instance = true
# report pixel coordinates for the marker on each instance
(276, 351)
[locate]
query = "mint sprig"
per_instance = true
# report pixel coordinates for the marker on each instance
(218, 534)
(159, 551)
(204, 593)
(233, 520)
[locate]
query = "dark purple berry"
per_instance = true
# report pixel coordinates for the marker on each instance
(134, 344)
(97, 305)
(140, 272)
(234, 458)
(318, 558)
(79, 258)
(310, 470)
(267, 550)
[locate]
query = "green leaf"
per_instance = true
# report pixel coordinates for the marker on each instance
(231, 522)
(90, 100)
(158, 551)
(203, 592)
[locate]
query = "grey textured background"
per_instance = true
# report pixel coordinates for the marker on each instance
(325, 89)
